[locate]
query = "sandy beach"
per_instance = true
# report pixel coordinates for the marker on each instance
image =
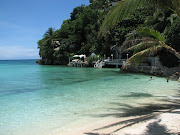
(162, 124)
(152, 119)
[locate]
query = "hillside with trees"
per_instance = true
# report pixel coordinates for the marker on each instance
(98, 27)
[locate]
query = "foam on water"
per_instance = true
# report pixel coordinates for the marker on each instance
(41, 100)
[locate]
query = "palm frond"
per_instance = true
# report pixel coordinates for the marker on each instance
(129, 43)
(49, 32)
(122, 10)
(142, 46)
(144, 34)
(138, 57)
(148, 32)
(172, 17)
(176, 4)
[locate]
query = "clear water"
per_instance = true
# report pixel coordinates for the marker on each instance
(40, 100)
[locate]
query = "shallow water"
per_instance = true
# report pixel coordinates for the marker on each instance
(40, 100)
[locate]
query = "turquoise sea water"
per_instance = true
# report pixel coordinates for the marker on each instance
(41, 100)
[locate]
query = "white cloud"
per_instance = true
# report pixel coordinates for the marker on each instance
(18, 52)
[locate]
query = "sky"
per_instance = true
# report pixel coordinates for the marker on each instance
(24, 22)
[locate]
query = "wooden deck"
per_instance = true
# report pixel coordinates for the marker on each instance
(116, 62)
(111, 63)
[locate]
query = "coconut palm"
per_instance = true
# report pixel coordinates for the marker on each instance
(49, 36)
(124, 8)
(143, 42)
(46, 45)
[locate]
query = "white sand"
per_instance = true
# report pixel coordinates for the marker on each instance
(162, 124)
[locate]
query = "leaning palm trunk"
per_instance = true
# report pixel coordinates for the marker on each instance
(152, 50)
(148, 41)
(176, 4)
(173, 51)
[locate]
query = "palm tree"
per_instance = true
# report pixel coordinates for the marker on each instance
(49, 36)
(145, 41)
(124, 8)
(46, 45)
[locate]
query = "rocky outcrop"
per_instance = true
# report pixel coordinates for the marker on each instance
(157, 71)
(49, 62)
(153, 66)
(60, 62)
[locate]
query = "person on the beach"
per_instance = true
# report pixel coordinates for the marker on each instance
(177, 75)
(150, 78)
(168, 79)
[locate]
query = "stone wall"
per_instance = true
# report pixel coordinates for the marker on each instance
(158, 71)
(152, 65)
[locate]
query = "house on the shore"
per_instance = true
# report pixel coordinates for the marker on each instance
(58, 43)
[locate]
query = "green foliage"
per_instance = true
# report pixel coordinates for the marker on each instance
(76, 12)
(91, 59)
(62, 54)
(147, 32)
(126, 26)
(124, 8)
(78, 35)
(161, 21)
(45, 46)
(173, 35)
(147, 41)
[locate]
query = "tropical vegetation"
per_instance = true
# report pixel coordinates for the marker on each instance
(149, 40)
(138, 27)
(124, 8)
(145, 41)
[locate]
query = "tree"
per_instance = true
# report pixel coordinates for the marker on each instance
(173, 36)
(46, 46)
(124, 8)
(76, 11)
(145, 41)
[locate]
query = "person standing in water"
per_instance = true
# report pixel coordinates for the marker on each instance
(150, 78)
(168, 79)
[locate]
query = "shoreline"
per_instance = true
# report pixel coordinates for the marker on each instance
(153, 118)
(51, 107)
(162, 123)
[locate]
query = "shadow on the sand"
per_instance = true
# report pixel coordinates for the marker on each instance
(155, 128)
(141, 113)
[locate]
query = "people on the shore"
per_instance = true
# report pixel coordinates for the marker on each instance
(175, 76)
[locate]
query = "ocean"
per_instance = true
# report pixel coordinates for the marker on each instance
(44, 99)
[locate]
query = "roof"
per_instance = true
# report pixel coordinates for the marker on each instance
(82, 55)
(57, 42)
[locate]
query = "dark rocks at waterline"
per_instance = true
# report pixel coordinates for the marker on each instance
(50, 62)
(173, 73)
(39, 61)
